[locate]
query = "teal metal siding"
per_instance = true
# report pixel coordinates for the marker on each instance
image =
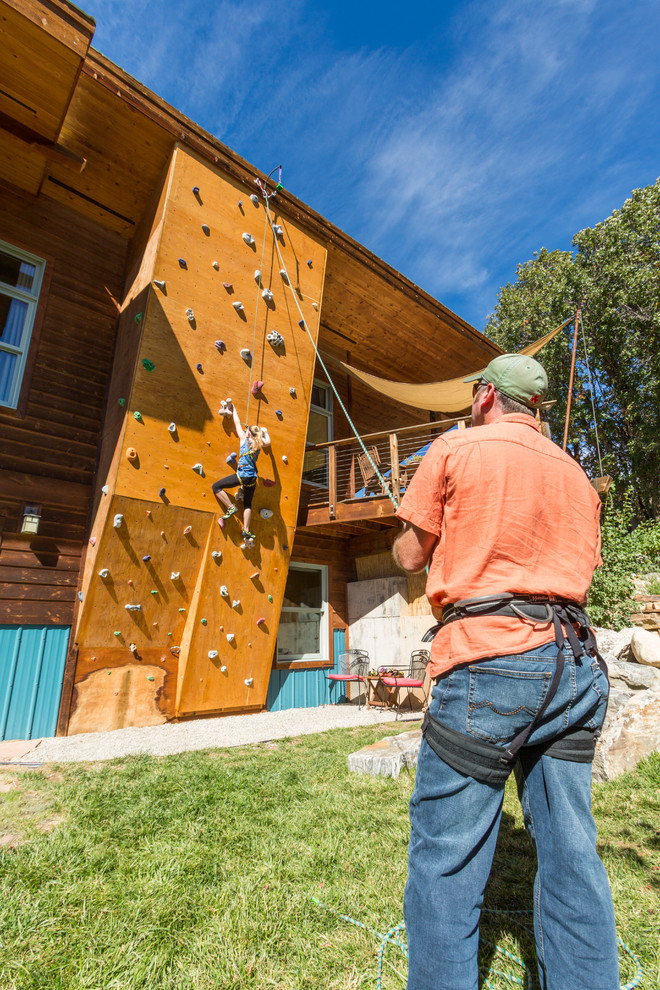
(304, 688)
(32, 662)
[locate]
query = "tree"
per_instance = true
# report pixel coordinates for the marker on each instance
(614, 274)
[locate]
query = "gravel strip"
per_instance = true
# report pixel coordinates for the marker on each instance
(233, 730)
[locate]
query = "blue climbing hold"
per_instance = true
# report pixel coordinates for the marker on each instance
(220, 346)
(161, 492)
(146, 558)
(301, 323)
(195, 190)
(182, 263)
(199, 367)
(278, 413)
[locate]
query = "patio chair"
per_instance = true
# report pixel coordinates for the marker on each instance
(353, 666)
(413, 679)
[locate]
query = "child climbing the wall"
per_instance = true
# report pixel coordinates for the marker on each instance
(252, 439)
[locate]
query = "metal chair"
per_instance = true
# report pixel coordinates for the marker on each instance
(413, 679)
(353, 667)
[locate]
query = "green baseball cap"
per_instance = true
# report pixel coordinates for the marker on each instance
(516, 375)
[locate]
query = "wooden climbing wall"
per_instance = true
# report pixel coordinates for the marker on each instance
(156, 539)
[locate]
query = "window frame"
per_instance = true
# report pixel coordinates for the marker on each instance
(309, 660)
(328, 412)
(31, 327)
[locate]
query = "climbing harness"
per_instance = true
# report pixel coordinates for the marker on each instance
(488, 762)
(392, 937)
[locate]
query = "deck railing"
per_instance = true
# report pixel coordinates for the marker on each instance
(339, 471)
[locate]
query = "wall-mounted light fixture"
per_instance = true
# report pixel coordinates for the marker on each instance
(31, 518)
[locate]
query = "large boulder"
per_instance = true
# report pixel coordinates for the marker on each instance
(615, 642)
(645, 646)
(631, 732)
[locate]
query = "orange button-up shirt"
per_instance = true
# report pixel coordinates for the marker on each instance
(512, 512)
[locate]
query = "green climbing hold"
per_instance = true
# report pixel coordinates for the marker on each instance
(182, 610)
(151, 677)
(122, 402)
(154, 591)
(270, 598)
(169, 634)
(137, 415)
(109, 672)
(147, 364)
(138, 317)
(204, 621)
(116, 633)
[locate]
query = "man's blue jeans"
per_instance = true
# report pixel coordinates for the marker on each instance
(455, 820)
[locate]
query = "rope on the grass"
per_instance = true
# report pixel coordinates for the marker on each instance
(391, 937)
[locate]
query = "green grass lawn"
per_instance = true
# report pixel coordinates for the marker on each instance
(195, 871)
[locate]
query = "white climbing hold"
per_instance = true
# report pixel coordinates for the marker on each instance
(190, 315)
(257, 276)
(277, 229)
(267, 295)
(198, 468)
(160, 284)
(238, 305)
(132, 647)
(215, 265)
(249, 681)
(315, 305)
(223, 669)
(255, 200)
(246, 354)
(235, 603)
(105, 489)
(213, 654)
(265, 513)
(275, 338)
(230, 637)
(133, 608)
(216, 554)
(118, 520)
(223, 410)
(175, 575)
(172, 428)
(249, 239)
(206, 229)
(285, 458)
(224, 592)
(284, 274)
(104, 573)
(292, 391)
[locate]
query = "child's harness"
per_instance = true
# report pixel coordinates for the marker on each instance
(487, 762)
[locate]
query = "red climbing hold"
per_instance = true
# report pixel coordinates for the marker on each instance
(257, 387)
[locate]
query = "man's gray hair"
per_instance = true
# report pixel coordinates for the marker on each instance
(509, 405)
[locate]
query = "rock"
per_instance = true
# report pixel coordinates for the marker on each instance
(630, 733)
(614, 641)
(632, 676)
(645, 646)
(388, 756)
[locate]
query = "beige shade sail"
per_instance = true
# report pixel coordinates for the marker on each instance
(452, 396)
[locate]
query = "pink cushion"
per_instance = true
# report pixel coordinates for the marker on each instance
(343, 677)
(402, 682)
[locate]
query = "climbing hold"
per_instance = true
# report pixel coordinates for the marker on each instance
(277, 230)
(262, 618)
(267, 296)
(235, 603)
(161, 492)
(122, 402)
(130, 581)
(182, 263)
(309, 262)
(133, 608)
(154, 591)
(146, 558)
(137, 415)
(253, 577)
(279, 413)
(216, 554)
(230, 637)
(249, 239)
(212, 654)
(169, 634)
(255, 199)
(216, 265)
(223, 591)
(162, 533)
(275, 338)
(104, 573)
(268, 482)
(285, 458)
(149, 512)
(116, 633)
(175, 575)
(138, 317)
(257, 386)
(223, 410)
(175, 650)
(248, 681)
(203, 621)
(206, 229)
(105, 489)
(265, 513)
(223, 669)
(220, 346)
(270, 598)
(228, 286)
(147, 364)
(132, 647)
(199, 367)
(301, 323)
(190, 314)
(92, 541)
(150, 677)
(131, 453)
(118, 520)
(292, 391)
(199, 469)
(182, 610)
(246, 353)
(195, 190)
(257, 276)
(238, 306)
(285, 275)
(315, 305)
(240, 203)
(160, 283)
(187, 530)
(285, 546)
(172, 428)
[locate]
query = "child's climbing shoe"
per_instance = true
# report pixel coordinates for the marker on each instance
(247, 535)
(230, 512)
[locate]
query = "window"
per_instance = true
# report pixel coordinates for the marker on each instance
(303, 630)
(20, 282)
(319, 430)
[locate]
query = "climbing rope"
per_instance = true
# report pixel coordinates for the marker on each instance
(591, 395)
(254, 332)
(391, 937)
(393, 498)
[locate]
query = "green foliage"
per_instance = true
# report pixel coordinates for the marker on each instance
(625, 551)
(614, 275)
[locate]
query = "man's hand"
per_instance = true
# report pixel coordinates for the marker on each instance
(413, 548)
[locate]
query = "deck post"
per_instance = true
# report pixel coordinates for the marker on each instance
(332, 480)
(394, 461)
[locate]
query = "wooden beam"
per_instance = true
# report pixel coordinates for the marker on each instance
(49, 149)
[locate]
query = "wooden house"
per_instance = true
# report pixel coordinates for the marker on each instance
(139, 262)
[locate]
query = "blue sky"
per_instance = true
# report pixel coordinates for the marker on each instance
(452, 139)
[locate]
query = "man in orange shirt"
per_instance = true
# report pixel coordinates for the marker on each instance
(508, 525)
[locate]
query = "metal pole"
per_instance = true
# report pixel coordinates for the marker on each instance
(570, 383)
